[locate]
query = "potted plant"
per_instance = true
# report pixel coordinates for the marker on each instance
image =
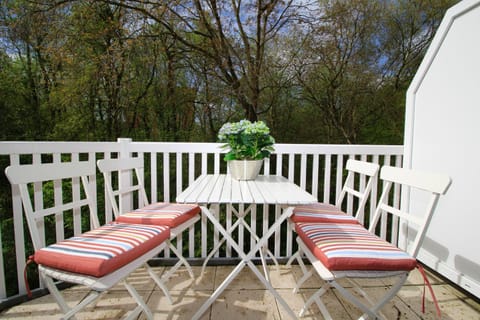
(248, 143)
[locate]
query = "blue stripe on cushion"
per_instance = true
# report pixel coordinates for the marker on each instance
(324, 215)
(122, 244)
(103, 240)
(352, 247)
(84, 253)
(102, 250)
(371, 254)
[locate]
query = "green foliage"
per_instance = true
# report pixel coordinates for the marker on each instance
(246, 140)
(15, 116)
(98, 70)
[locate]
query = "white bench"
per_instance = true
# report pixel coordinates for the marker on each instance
(348, 250)
(99, 258)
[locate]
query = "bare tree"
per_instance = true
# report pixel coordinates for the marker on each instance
(233, 35)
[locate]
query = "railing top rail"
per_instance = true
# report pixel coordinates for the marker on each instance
(343, 149)
(32, 147)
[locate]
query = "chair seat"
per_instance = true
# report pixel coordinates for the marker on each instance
(342, 247)
(321, 212)
(165, 214)
(103, 250)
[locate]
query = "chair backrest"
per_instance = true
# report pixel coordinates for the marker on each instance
(432, 185)
(29, 176)
(361, 170)
(123, 166)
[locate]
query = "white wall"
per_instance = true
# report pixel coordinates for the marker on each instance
(442, 134)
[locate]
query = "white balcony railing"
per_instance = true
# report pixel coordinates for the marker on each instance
(169, 169)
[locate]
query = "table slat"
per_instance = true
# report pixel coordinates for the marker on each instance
(207, 188)
(191, 193)
(221, 188)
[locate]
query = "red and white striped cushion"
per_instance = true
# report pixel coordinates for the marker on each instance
(101, 251)
(321, 212)
(352, 247)
(166, 214)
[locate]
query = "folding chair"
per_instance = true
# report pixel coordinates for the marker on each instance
(366, 174)
(178, 217)
(349, 251)
(99, 258)
(341, 212)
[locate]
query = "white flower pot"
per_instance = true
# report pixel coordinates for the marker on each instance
(245, 169)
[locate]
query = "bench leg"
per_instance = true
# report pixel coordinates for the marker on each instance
(159, 283)
(181, 261)
(142, 306)
(316, 298)
(69, 313)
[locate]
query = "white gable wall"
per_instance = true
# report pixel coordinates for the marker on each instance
(442, 134)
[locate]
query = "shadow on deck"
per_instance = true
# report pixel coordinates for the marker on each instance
(245, 298)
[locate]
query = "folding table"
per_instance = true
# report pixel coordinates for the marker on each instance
(208, 190)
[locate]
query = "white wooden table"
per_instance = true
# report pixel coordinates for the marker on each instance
(210, 190)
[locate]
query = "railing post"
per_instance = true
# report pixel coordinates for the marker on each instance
(18, 229)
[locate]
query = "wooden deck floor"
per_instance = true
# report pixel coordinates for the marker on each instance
(245, 298)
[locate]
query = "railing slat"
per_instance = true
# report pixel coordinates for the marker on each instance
(303, 171)
(77, 214)
(373, 193)
(153, 177)
(327, 178)
(58, 195)
(191, 168)
(339, 177)
(204, 163)
(315, 177)
(291, 167)
(179, 175)
(166, 176)
(349, 197)
(277, 233)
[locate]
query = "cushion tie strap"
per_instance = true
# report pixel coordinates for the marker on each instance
(427, 282)
(25, 278)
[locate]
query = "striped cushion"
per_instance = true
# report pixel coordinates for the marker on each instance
(166, 214)
(321, 212)
(352, 247)
(101, 251)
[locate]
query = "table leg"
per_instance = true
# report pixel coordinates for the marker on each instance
(246, 259)
(287, 212)
(265, 248)
(264, 264)
(240, 215)
(219, 244)
(219, 290)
